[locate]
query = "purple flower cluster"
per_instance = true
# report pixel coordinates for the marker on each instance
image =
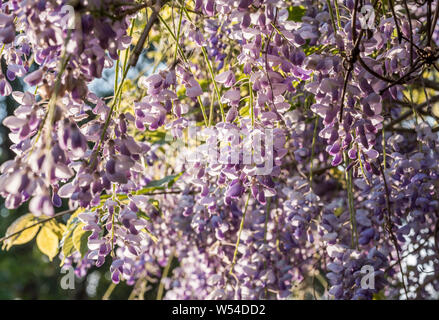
(306, 165)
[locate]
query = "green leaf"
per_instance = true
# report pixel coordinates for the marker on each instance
(157, 136)
(143, 215)
(47, 242)
(338, 211)
(67, 242)
(161, 184)
(295, 13)
(67, 247)
(155, 203)
(25, 236)
(244, 111)
(166, 182)
(80, 239)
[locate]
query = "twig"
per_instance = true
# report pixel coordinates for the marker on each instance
(351, 60)
(109, 291)
(389, 226)
(429, 34)
(411, 31)
(395, 19)
(409, 113)
(133, 61)
(436, 16)
(139, 46)
(354, 21)
(373, 72)
(165, 275)
(414, 67)
(241, 227)
(37, 223)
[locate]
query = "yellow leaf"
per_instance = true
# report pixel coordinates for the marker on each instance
(25, 236)
(47, 242)
(57, 227)
(338, 211)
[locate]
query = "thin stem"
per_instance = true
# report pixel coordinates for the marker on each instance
(361, 166)
(112, 221)
(354, 21)
(429, 34)
(407, 114)
(389, 226)
(132, 62)
(383, 142)
(212, 98)
(107, 122)
(116, 75)
(109, 291)
(343, 94)
(241, 227)
(209, 65)
(395, 19)
(267, 216)
(373, 72)
(314, 139)
(252, 111)
(200, 102)
(139, 46)
(212, 75)
(331, 13)
(178, 33)
(337, 11)
(52, 103)
(165, 275)
(35, 224)
(411, 31)
(180, 50)
(348, 177)
(436, 16)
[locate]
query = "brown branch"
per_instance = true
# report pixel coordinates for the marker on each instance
(436, 15)
(139, 46)
(398, 30)
(430, 84)
(373, 72)
(343, 93)
(351, 60)
(354, 21)
(402, 80)
(411, 31)
(408, 113)
(429, 33)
